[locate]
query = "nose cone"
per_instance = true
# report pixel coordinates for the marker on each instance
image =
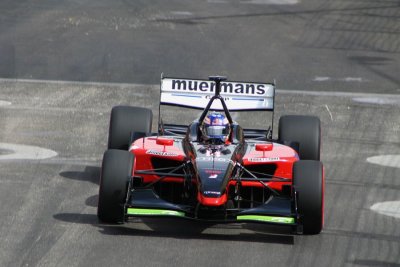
(211, 201)
(213, 174)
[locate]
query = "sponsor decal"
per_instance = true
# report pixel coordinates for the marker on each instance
(212, 193)
(161, 153)
(226, 87)
(213, 171)
(212, 159)
(210, 96)
(237, 95)
(264, 159)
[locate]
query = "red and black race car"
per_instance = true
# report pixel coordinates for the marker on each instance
(213, 169)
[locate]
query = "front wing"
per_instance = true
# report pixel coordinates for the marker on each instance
(276, 210)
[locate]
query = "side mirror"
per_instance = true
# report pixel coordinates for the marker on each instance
(264, 147)
(165, 142)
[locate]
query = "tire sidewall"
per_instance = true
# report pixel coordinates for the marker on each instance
(116, 169)
(308, 182)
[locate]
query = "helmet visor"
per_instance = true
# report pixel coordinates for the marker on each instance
(217, 131)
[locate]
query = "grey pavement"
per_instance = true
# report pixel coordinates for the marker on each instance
(63, 65)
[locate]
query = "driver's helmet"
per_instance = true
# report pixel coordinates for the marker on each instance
(215, 127)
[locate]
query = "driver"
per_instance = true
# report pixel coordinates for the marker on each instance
(215, 128)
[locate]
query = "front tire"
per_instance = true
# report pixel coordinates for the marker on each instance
(115, 173)
(308, 182)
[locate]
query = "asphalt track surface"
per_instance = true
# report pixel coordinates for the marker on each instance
(339, 58)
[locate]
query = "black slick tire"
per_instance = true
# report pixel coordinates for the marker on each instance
(115, 172)
(308, 181)
(126, 120)
(305, 130)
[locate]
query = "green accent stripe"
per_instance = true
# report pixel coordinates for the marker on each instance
(156, 212)
(263, 218)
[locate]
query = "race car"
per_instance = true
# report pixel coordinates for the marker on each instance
(212, 169)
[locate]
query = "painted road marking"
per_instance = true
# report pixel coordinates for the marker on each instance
(388, 208)
(377, 100)
(270, 2)
(385, 160)
(257, 2)
(62, 82)
(182, 13)
(344, 79)
(156, 86)
(17, 152)
(4, 103)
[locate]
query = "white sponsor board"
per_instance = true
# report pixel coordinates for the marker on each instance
(237, 95)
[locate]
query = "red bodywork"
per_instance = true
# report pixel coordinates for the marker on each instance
(260, 153)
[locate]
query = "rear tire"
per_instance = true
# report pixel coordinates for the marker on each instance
(308, 181)
(125, 121)
(115, 172)
(306, 131)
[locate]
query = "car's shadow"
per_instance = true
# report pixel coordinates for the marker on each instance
(186, 229)
(90, 174)
(172, 227)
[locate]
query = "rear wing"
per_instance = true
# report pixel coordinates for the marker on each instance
(229, 96)
(238, 96)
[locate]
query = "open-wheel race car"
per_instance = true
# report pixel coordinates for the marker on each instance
(212, 169)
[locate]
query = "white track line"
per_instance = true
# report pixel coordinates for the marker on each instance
(124, 85)
(61, 82)
(18, 152)
(388, 208)
(385, 160)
